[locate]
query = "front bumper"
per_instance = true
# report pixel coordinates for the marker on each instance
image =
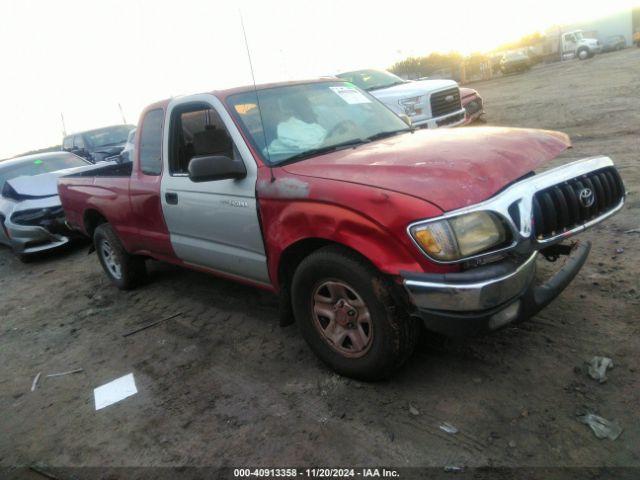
(27, 239)
(474, 108)
(449, 120)
(488, 297)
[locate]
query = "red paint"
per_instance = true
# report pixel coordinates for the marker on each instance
(450, 168)
(363, 198)
(131, 205)
(467, 95)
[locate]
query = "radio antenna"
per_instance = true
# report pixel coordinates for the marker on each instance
(255, 91)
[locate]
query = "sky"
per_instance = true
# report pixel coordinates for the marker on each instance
(81, 58)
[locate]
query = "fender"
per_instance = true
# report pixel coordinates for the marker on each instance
(368, 220)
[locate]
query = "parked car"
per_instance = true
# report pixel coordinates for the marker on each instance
(575, 44)
(363, 226)
(98, 145)
(472, 104)
(515, 62)
(31, 216)
(614, 43)
(428, 103)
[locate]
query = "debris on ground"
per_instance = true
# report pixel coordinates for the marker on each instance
(619, 250)
(114, 391)
(601, 427)
(152, 324)
(70, 372)
(34, 384)
(598, 367)
(453, 469)
(39, 470)
(413, 410)
(633, 230)
(512, 444)
(448, 428)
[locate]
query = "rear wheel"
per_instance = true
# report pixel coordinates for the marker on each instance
(126, 271)
(348, 317)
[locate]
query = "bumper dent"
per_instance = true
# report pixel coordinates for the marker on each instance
(468, 308)
(485, 288)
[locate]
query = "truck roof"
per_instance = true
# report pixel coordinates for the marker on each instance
(224, 93)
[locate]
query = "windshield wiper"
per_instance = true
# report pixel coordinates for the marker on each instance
(389, 133)
(320, 150)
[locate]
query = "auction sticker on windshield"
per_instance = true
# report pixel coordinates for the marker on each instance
(350, 95)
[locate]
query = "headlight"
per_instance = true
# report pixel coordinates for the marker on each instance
(409, 105)
(460, 237)
(35, 216)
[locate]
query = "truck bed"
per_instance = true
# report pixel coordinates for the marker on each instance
(103, 191)
(110, 169)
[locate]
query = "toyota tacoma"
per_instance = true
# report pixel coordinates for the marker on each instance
(367, 229)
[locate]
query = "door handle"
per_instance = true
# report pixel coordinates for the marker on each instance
(171, 198)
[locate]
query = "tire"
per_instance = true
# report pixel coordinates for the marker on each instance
(384, 336)
(126, 271)
(583, 53)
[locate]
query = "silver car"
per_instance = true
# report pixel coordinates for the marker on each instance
(31, 216)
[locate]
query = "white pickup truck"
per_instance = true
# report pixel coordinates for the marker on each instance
(428, 103)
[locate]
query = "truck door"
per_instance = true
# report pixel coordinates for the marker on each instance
(569, 44)
(212, 224)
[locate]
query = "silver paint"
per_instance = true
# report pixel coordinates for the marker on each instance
(215, 224)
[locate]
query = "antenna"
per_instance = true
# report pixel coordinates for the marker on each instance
(64, 128)
(255, 91)
(124, 120)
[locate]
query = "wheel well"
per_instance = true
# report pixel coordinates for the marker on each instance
(294, 254)
(297, 252)
(92, 219)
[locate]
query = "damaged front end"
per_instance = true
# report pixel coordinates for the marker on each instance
(33, 224)
(537, 213)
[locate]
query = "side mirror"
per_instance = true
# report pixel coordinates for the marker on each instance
(405, 119)
(215, 167)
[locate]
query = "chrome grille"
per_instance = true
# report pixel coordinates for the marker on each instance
(445, 102)
(574, 202)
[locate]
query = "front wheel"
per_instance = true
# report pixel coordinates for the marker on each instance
(347, 315)
(126, 271)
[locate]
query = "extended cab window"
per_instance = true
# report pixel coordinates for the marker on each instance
(151, 142)
(78, 141)
(197, 131)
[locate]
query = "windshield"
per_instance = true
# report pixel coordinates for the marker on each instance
(372, 79)
(108, 136)
(36, 165)
(305, 120)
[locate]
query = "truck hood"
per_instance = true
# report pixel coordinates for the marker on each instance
(43, 185)
(450, 168)
(412, 89)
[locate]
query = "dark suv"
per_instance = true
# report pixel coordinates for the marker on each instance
(100, 144)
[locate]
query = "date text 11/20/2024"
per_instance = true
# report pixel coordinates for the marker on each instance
(316, 472)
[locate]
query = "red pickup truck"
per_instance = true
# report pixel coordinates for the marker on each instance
(365, 228)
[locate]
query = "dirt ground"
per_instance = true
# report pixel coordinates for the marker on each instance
(223, 385)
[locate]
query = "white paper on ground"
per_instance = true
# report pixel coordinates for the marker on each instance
(114, 391)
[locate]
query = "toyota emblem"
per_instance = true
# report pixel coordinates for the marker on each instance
(587, 198)
(449, 98)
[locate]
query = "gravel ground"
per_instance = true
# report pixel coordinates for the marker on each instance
(223, 385)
